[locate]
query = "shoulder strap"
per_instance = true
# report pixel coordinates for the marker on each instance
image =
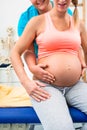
(48, 21)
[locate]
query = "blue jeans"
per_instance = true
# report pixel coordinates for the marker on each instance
(53, 113)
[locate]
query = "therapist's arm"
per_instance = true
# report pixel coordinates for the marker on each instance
(38, 70)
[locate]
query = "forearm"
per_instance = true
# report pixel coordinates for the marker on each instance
(86, 58)
(85, 54)
(82, 58)
(19, 68)
(30, 60)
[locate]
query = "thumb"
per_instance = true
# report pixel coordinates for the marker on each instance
(40, 83)
(43, 66)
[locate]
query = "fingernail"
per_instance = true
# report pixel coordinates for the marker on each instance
(51, 81)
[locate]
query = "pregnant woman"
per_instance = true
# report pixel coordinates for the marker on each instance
(59, 37)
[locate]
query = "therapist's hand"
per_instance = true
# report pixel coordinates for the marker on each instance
(84, 70)
(41, 74)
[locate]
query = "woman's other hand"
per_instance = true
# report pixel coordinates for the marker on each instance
(36, 91)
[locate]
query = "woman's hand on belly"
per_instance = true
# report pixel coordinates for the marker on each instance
(36, 91)
(41, 74)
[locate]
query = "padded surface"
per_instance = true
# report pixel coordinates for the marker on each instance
(18, 115)
(28, 115)
(77, 115)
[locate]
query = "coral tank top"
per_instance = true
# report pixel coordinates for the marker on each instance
(52, 40)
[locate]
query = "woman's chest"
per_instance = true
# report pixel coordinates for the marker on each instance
(54, 40)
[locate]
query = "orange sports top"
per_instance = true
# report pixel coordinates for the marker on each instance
(51, 40)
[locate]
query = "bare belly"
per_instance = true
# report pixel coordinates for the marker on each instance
(65, 67)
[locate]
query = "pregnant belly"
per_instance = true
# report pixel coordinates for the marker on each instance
(65, 67)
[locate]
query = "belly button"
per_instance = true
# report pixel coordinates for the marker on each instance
(69, 67)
